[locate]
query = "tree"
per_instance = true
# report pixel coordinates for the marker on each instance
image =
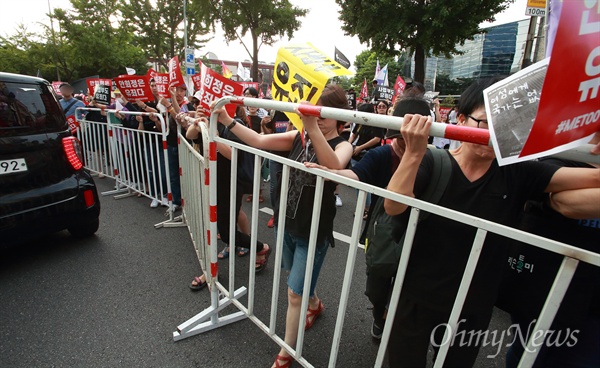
(89, 41)
(424, 27)
(266, 20)
(159, 26)
(366, 62)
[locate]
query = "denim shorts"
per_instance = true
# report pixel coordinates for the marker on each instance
(295, 253)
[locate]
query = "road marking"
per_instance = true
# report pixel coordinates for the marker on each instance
(338, 236)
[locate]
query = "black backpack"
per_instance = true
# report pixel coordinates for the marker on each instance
(382, 253)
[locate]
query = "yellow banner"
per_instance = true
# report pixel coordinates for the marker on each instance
(301, 72)
(536, 3)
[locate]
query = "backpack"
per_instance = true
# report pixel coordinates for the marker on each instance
(382, 253)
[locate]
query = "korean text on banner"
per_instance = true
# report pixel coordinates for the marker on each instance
(102, 94)
(135, 87)
(511, 107)
(569, 111)
(212, 86)
(162, 82)
(301, 72)
(399, 86)
(55, 87)
(248, 85)
(175, 76)
(93, 82)
(73, 124)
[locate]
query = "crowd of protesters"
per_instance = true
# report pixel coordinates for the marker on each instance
(538, 196)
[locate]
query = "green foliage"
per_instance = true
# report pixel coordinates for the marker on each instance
(343, 81)
(422, 26)
(366, 63)
(447, 86)
(158, 26)
(265, 20)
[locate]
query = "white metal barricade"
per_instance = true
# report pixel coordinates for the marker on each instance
(222, 296)
(136, 159)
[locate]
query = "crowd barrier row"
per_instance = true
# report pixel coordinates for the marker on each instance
(205, 221)
(136, 159)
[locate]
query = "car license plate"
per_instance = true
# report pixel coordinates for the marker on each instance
(12, 166)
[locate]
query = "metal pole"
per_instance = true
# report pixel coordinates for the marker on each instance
(184, 27)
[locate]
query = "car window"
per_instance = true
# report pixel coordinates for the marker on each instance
(28, 109)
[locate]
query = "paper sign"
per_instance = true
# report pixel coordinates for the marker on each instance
(351, 97)
(511, 107)
(383, 93)
(399, 86)
(248, 85)
(569, 112)
(162, 82)
(175, 76)
(301, 72)
(55, 86)
(135, 87)
(93, 82)
(212, 86)
(73, 124)
(102, 94)
(444, 111)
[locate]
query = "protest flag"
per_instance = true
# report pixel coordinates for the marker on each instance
(377, 70)
(364, 91)
(175, 76)
(241, 72)
(130, 71)
(261, 94)
(399, 86)
(341, 58)
(226, 72)
(382, 77)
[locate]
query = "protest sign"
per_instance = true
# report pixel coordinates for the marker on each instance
(399, 86)
(212, 86)
(162, 82)
(135, 87)
(569, 111)
(55, 87)
(351, 97)
(444, 111)
(93, 82)
(73, 124)
(248, 85)
(383, 93)
(102, 94)
(301, 72)
(511, 107)
(175, 76)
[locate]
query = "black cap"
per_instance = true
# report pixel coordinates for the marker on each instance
(408, 106)
(64, 84)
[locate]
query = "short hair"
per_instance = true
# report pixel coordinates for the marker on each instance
(252, 91)
(472, 98)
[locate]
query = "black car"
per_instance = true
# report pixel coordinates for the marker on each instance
(44, 187)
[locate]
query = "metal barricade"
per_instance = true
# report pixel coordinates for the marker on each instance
(222, 296)
(136, 159)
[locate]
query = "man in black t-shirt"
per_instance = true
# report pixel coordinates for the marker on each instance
(441, 247)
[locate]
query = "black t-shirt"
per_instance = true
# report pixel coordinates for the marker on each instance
(301, 194)
(378, 166)
(530, 271)
(254, 121)
(441, 246)
(366, 133)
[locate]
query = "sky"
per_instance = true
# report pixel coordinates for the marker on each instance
(321, 27)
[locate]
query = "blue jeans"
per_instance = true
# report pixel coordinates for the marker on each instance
(295, 253)
(173, 154)
(156, 171)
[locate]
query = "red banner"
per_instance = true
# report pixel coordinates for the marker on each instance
(364, 91)
(175, 76)
(212, 86)
(247, 85)
(73, 124)
(399, 89)
(569, 108)
(55, 86)
(162, 82)
(93, 82)
(135, 87)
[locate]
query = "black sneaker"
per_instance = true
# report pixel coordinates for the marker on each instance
(376, 331)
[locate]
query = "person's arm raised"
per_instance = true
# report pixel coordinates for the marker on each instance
(415, 132)
(275, 142)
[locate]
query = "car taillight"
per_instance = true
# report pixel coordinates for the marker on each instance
(72, 149)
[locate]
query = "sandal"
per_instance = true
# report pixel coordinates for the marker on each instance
(313, 313)
(224, 254)
(287, 361)
(241, 252)
(261, 264)
(199, 284)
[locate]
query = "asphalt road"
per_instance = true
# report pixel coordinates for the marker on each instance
(114, 299)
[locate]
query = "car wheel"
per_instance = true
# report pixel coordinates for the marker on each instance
(85, 229)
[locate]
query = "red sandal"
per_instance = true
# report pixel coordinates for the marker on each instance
(261, 264)
(313, 313)
(287, 361)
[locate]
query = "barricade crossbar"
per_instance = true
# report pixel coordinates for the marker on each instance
(222, 296)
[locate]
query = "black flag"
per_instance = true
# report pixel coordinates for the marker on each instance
(341, 58)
